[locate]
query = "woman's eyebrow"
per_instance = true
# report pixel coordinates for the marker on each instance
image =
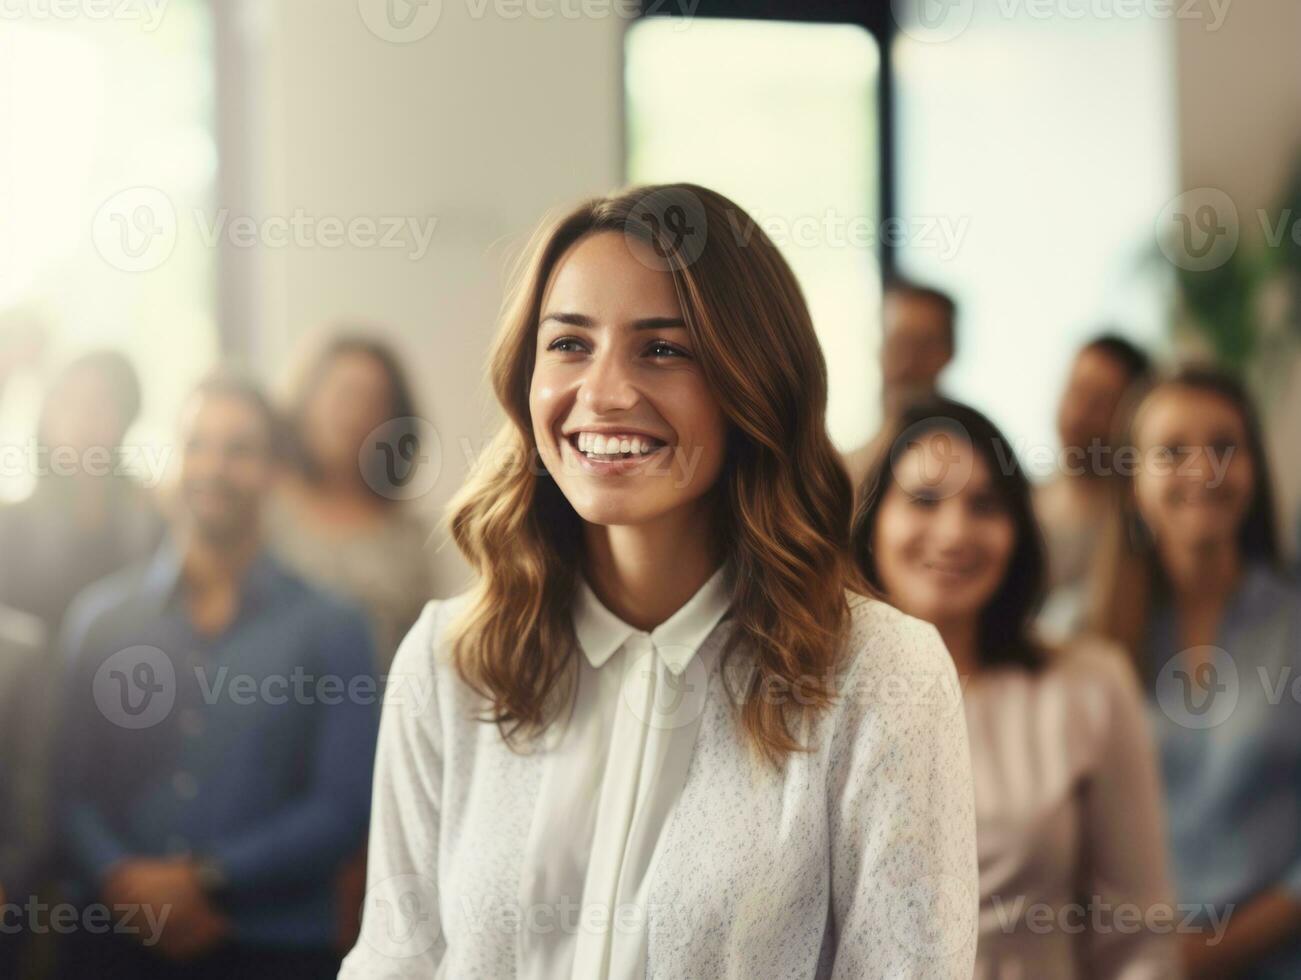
(659, 323)
(572, 319)
(645, 323)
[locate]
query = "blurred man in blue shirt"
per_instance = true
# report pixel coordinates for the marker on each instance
(218, 735)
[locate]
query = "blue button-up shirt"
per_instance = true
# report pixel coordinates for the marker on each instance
(253, 747)
(1231, 758)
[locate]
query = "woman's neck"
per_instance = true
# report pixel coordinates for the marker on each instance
(645, 573)
(1202, 574)
(338, 499)
(962, 637)
(1202, 580)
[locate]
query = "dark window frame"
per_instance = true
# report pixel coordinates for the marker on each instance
(874, 17)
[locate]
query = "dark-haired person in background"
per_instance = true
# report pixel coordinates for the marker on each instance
(1190, 581)
(84, 517)
(1068, 812)
(918, 341)
(340, 517)
(1073, 505)
(220, 727)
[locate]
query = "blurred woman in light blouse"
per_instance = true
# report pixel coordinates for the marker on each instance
(340, 518)
(1191, 582)
(657, 738)
(1068, 821)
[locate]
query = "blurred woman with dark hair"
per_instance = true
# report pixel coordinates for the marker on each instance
(341, 519)
(1068, 820)
(1190, 581)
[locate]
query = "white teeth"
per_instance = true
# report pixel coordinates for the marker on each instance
(598, 444)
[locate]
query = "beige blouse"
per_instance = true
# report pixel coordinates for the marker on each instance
(1069, 823)
(384, 569)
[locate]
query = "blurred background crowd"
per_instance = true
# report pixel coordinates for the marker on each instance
(251, 255)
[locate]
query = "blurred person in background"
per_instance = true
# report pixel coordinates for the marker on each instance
(1190, 581)
(338, 518)
(1073, 505)
(919, 339)
(86, 517)
(220, 727)
(27, 702)
(1068, 807)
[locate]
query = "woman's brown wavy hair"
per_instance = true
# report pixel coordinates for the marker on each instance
(784, 501)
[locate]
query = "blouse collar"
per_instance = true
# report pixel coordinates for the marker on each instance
(600, 632)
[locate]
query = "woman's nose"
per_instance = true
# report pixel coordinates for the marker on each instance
(950, 526)
(607, 386)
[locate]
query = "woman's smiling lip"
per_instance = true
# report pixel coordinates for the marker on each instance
(612, 430)
(610, 467)
(951, 570)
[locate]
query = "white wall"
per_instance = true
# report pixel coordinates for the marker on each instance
(483, 124)
(1240, 132)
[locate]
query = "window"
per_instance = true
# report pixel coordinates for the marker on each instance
(106, 187)
(781, 117)
(1047, 146)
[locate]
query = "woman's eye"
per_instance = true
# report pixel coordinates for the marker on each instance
(660, 348)
(924, 500)
(565, 345)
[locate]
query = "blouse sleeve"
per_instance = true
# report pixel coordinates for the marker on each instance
(902, 816)
(401, 932)
(1125, 851)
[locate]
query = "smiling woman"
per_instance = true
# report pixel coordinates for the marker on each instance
(1068, 813)
(691, 756)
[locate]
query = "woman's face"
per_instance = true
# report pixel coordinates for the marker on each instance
(942, 547)
(352, 397)
(623, 416)
(1195, 477)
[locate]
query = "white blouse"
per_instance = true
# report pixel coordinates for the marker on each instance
(642, 837)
